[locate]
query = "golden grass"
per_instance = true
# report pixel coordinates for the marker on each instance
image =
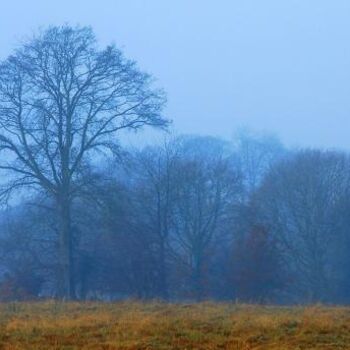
(132, 325)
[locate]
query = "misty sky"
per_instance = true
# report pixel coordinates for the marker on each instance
(281, 66)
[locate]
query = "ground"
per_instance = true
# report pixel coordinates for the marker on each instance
(133, 325)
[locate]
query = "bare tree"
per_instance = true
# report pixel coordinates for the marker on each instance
(298, 202)
(62, 100)
(206, 188)
(155, 194)
(256, 154)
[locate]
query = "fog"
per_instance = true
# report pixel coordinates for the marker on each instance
(276, 66)
(180, 152)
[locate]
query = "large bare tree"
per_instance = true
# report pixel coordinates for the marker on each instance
(62, 99)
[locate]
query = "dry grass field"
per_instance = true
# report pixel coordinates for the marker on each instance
(132, 325)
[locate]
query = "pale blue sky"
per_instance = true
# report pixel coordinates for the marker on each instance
(281, 66)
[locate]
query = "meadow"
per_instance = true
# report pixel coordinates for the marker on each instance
(134, 325)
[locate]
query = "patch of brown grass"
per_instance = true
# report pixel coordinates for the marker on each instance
(132, 325)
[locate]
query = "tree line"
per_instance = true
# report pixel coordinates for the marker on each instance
(188, 218)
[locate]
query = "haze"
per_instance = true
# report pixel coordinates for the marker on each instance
(276, 66)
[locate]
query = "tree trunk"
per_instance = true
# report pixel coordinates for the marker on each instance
(163, 281)
(196, 278)
(66, 276)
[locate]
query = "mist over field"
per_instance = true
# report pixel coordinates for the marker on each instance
(175, 174)
(181, 152)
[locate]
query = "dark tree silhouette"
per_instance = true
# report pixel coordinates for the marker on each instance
(61, 100)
